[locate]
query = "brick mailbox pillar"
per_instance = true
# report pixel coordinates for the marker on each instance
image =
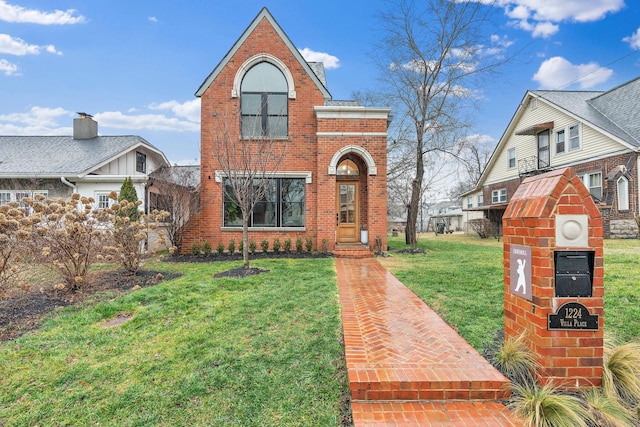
(553, 276)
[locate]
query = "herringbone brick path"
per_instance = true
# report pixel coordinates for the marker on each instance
(406, 366)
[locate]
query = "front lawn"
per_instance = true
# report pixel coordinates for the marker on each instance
(259, 351)
(461, 277)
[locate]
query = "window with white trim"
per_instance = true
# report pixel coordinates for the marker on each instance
(574, 137)
(622, 187)
(470, 202)
(560, 141)
(593, 182)
(8, 196)
(511, 158)
(141, 162)
(102, 200)
(5, 197)
(264, 102)
(480, 199)
(499, 196)
(283, 205)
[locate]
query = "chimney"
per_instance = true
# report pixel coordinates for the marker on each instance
(84, 127)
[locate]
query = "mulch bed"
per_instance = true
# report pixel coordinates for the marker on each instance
(22, 313)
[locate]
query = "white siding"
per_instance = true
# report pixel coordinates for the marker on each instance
(593, 143)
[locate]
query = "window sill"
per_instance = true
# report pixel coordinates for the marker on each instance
(265, 229)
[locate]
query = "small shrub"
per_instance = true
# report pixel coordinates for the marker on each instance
(196, 249)
(276, 245)
(231, 247)
(241, 246)
(206, 248)
(299, 245)
(325, 245)
(264, 245)
(252, 246)
(220, 248)
(287, 245)
(308, 244)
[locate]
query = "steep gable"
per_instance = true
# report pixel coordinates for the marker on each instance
(257, 25)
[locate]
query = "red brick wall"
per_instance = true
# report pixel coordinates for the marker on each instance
(304, 151)
(569, 357)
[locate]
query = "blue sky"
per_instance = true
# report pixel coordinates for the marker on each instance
(135, 65)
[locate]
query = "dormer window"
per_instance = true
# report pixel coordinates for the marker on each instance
(264, 109)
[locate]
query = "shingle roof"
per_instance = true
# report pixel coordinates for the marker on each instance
(61, 155)
(616, 111)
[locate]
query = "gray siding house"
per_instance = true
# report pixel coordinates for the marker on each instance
(84, 163)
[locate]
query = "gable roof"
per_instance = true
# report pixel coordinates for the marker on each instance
(615, 113)
(55, 156)
(265, 14)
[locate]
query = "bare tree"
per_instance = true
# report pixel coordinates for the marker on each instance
(433, 56)
(175, 189)
(474, 155)
(248, 163)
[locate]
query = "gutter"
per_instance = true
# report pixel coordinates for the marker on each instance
(70, 184)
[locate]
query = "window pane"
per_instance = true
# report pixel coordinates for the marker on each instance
(277, 126)
(574, 137)
(5, 198)
(250, 104)
(292, 193)
(264, 77)
(232, 213)
(277, 104)
(623, 194)
(264, 211)
(560, 142)
(251, 126)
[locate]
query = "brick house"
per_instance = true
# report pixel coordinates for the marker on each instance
(330, 185)
(595, 133)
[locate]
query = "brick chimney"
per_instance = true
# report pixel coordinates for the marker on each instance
(84, 127)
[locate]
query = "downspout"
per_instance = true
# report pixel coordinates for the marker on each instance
(70, 184)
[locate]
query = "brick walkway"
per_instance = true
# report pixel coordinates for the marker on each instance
(406, 366)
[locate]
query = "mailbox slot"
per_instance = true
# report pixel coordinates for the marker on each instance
(574, 273)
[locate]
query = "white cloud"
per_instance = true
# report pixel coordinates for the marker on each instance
(8, 68)
(153, 19)
(189, 110)
(17, 46)
(19, 14)
(633, 40)
(329, 61)
(541, 17)
(158, 122)
(557, 73)
(36, 121)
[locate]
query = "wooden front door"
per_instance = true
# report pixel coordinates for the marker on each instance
(347, 209)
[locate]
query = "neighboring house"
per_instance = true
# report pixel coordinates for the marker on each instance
(595, 133)
(445, 216)
(331, 184)
(85, 163)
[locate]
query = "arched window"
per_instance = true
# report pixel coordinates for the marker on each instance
(264, 110)
(623, 193)
(347, 167)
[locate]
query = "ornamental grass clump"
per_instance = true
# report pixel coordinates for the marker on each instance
(621, 373)
(546, 406)
(516, 361)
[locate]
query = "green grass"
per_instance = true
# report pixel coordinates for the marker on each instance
(461, 277)
(259, 351)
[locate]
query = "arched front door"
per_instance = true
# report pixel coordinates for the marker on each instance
(347, 212)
